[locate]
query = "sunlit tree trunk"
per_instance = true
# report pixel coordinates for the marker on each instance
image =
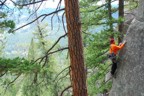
(121, 15)
(78, 75)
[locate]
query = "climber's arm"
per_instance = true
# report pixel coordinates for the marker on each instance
(120, 46)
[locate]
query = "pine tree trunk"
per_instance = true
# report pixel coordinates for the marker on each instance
(75, 48)
(110, 15)
(121, 15)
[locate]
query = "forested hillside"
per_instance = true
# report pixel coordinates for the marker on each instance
(61, 47)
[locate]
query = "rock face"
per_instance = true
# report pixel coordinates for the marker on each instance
(129, 79)
(140, 11)
(128, 17)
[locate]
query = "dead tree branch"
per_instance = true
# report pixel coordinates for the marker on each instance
(56, 43)
(63, 22)
(60, 73)
(58, 50)
(62, 77)
(12, 82)
(27, 3)
(58, 7)
(3, 3)
(38, 18)
(3, 74)
(65, 90)
(42, 58)
(35, 10)
(53, 13)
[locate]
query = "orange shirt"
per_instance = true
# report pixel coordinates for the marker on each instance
(114, 48)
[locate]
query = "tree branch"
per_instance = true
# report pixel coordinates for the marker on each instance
(65, 90)
(63, 22)
(35, 10)
(2, 3)
(62, 77)
(3, 74)
(50, 48)
(56, 43)
(46, 56)
(58, 50)
(12, 81)
(38, 18)
(26, 4)
(53, 13)
(58, 7)
(60, 73)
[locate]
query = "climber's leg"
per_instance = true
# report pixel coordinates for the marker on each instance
(114, 67)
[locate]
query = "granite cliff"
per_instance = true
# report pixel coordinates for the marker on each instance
(129, 79)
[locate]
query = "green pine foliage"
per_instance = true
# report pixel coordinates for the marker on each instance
(96, 28)
(97, 46)
(97, 62)
(6, 24)
(36, 79)
(18, 65)
(47, 83)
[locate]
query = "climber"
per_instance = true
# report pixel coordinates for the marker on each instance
(113, 52)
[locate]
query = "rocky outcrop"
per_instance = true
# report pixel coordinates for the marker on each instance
(129, 79)
(136, 13)
(129, 16)
(140, 11)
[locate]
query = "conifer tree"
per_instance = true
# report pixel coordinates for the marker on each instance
(78, 73)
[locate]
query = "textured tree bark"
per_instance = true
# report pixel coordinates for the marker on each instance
(78, 75)
(121, 15)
